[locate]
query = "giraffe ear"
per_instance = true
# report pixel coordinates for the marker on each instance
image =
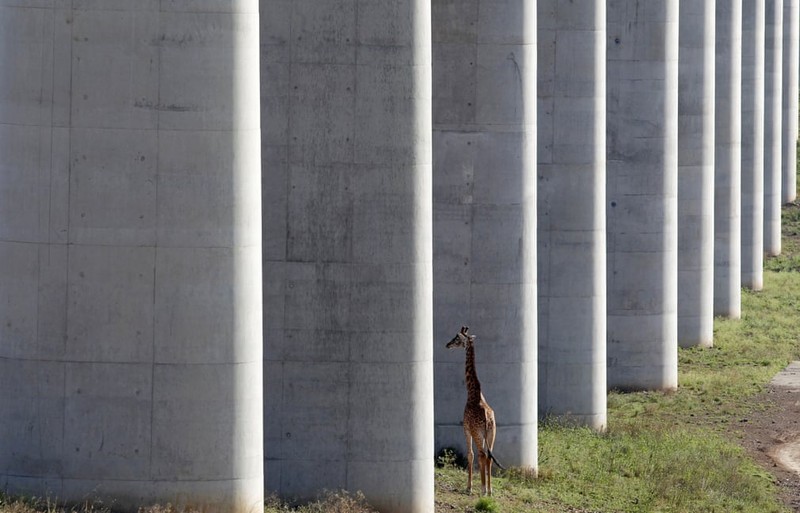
(472, 338)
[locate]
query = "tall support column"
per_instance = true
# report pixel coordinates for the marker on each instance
(571, 204)
(791, 59)
(753, 20)
(484, 136)
(642, 194)
(773, 118)
(130, 242)
(696, 173)
(347, 166)
(728, 161)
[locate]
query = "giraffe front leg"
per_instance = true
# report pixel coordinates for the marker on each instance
(483, 465)
(470, 458)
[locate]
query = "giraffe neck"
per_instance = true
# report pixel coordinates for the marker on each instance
(473, 385)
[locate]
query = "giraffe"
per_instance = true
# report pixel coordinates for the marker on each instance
(479, 424)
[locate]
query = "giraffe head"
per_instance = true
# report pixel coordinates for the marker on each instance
(462, 339)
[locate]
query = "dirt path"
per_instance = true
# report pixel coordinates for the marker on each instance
(773, 436)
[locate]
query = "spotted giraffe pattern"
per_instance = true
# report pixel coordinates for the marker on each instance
(479, 422)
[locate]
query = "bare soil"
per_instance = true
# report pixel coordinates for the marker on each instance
(772, 437)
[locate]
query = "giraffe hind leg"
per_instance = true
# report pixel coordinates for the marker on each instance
(482, 459)
(489, 445)
(488, 475)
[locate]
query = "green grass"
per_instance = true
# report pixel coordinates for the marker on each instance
(789, 259)
(642, 469)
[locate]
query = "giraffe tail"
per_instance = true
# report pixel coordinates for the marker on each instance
(489, 452)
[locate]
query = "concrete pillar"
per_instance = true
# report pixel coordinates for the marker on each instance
(130, 285)
(773, 116)
(571, 205)
(642, 194)
(753, 19)
(728, 161)
(484, 136)
(791, 55)
(696, 173)
(347, 166)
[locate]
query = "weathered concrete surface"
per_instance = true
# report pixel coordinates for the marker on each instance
(791, 57)
(753, 20)
(773, 117)
(728, 161)
(346, 93)
(642, 194)
(130, 285)
(696, 173)
(484, 114)
(571, 205)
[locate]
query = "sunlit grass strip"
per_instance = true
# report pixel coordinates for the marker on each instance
(664, 468)
(639, 468)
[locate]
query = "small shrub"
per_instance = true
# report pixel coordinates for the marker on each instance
(486, 504)
(450, 457)
(47, 505)
(16, 507)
